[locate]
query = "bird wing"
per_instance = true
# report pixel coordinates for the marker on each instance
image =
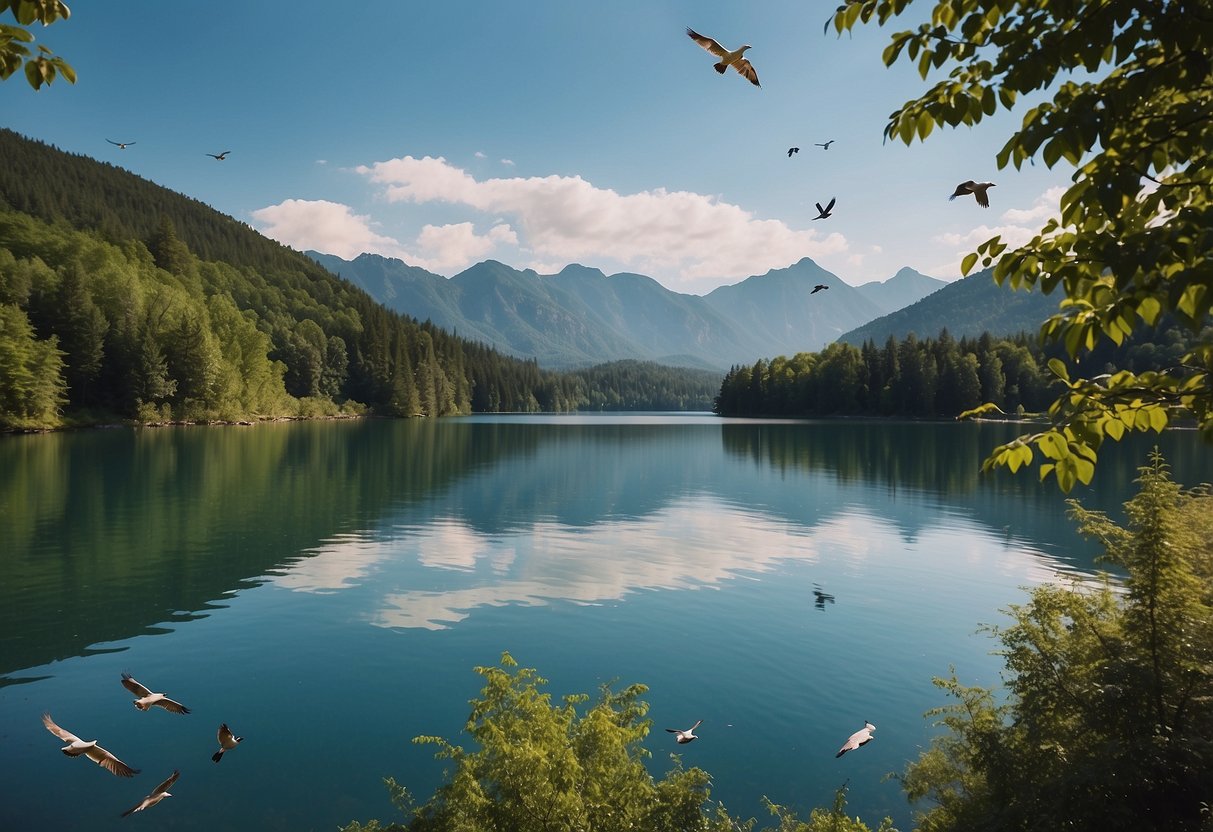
(963, 188)
(66, 736)
(134, 687)
(707, 43)
(225, 735)
(982, 195)
(747, 71)
(673, 730)
(696, 725)
(173, 706)
(830, 207)
(820, 210)
(164, 787)
(110, 763)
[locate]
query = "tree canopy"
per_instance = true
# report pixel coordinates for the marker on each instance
(1132, 244)
(15, 52)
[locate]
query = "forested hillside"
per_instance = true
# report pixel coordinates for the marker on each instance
(119, 298)
(642, 385)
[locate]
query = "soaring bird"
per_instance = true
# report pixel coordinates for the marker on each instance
(818, 288)
(158, 794)
(727, 58)
(824, 213)
(220, 156)
(826, 145)
(76, 746)
(861, 737)
(979, 190)
(227, 741)
(792, 150)
(685, 736)
(121, 145)
(147, 699)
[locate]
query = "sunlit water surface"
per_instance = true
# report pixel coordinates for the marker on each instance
(327, 588)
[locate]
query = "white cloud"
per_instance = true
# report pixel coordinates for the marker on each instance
(322, 161)
(324, 226)
(566, 218)
(1019, 226)
(509, 162)
(451, 248)
(479, 154)
(1047, 205)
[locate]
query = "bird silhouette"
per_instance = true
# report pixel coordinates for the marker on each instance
(818, 288)
(220, 156)
(727, 58)
(977, 189)
(820, 597)
(824, 213)
(685, 736)
(792, 150)
(227, 741)
(147, 699)
(158, 794)
(826, 145)
(860, 737)
(76, 747)
(121, 145)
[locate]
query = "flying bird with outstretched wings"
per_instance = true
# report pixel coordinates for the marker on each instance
(826, 145)
(76, 747)
(686, 736)
(861, 737)
(818, 288)
(147, 699)
(824, 213)
(120, 145)
(219, 156)
(792, 150)
(728, 58)
(979, 190)
(158, 794)
(227, 741)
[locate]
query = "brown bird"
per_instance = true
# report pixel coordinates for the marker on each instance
(818, 288)
(685, 736)
(977, 189)
(727, 59)
(158, 794)
(227, 741)
(860, 737)
(220, 156)
(147, 699)
(76, 747)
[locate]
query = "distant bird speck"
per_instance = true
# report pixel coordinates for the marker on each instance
(860, 737)
(824, 213)
(158, 794)
(728, 58)
(220, 156)
(792, 150)
(227, 741)
(977, 189)
(825, 145)
(685, 736)
(121, 145)
(819, 287)
(76, 747)
(147, 699)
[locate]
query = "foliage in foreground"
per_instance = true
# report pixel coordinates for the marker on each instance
(1109, 722)
(546, 767)
(1132, 243)
(15, 52)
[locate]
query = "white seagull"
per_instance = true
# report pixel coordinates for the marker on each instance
(227, 741)
(861, 737)
(685, 736)
(158, 794)
(727, 59)
(76, 747)
(147, 699)
(979, 190)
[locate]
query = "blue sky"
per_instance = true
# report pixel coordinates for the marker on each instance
(537, 133)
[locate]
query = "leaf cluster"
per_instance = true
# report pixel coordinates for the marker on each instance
(45, 66)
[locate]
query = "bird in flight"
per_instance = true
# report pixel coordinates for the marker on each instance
(227, 741)
(220, 156)
(824, 213)
(792, 150)
(820, 596)
(76, 747)
(825, 145)
(979, 190)
(860, 737)
(147, 699)
(158, 794)
(121, 145)
(727, 59)
(685, 736)
(817, 289)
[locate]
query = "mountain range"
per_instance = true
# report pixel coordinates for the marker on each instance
(582, 316)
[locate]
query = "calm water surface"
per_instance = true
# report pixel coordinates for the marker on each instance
(327, 588)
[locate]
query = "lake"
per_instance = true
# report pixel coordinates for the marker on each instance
(326, 589)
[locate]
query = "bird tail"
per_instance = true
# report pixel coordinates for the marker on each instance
(840, 753)
(720, 67)
(952, 197)
(218, 755)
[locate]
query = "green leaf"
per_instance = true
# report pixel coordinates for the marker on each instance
(1058, 367)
